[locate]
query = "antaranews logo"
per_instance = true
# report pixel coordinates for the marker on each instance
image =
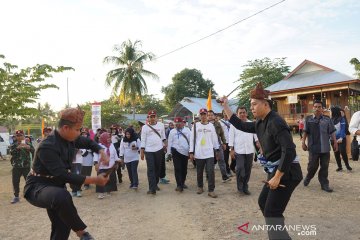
(301, 230)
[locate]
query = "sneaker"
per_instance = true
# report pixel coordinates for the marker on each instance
(327, 189)
(349, 168)
(229, 175)
(200, 190)
(101, 196)
(15, 200)
(86, 236)
(73, 194)
(179, 189)
(78, 194)
(86, 188)
(151, 192)
(226, 180)
(246, 192)
(212, 195)
(134, 187)
(164, 181)
(339, 169)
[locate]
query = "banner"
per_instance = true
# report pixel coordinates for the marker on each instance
(95, 116)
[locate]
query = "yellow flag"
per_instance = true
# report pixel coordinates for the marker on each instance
(209, 107)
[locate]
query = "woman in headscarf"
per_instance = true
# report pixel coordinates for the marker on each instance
(340, 125)
(129, 152)
(105, 143)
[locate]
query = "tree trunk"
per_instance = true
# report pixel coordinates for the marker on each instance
(133, 111)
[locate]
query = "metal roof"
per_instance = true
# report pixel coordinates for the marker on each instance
(309, 78)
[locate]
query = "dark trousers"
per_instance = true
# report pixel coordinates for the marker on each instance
(119, 174)
(180, 167)
(60, 208)
(226, 158)
(76, 169)
(233, 165)
(86, 171)
(314, 160)
(200, 165)
(162, 172)
(342, 152)
(243, 170)
(16, 176)
(110, 186)
(301, 133)
(273, 204)
(153, 162)
(133, 174)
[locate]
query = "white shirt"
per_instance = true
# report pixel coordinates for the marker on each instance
(78, 157)
(206, 140)
(225, 128)
(88, 159)
(177, 140)
(113, 157)
(354, 124)
(242, 141)
(150, 140)
(128, 153)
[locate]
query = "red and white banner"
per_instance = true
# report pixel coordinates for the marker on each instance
(95, 116)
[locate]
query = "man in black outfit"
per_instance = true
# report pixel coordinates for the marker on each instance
(45, 184)
(281, 162)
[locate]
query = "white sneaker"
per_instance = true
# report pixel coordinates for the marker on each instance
(78, 194)
(101, 196)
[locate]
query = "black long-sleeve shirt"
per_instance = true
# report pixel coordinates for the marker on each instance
(54, 157)
(274, 137)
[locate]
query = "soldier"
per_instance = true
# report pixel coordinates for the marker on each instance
(45, 184)
(20, 160)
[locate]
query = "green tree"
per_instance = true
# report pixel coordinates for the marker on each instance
(187, 83)
(263, 70)
(356, 63)
(20, 88)
(128, 77)
(146, 103)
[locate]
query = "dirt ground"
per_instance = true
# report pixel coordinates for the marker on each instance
(130, 214)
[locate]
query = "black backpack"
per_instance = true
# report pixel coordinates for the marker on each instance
(355, 149)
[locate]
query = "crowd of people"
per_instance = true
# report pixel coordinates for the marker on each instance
(230, 140)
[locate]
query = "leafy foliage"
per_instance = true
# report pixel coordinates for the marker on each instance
(263, 70)
(20, 88)
(187, 83)
(356, 63)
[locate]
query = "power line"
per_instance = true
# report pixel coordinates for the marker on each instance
(221, 30)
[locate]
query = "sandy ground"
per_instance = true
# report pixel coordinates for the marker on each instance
(130, 214)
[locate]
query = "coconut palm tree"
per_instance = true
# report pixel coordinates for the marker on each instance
(128, 79)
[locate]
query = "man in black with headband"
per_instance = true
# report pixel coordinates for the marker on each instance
(280, 160)
(45, 184)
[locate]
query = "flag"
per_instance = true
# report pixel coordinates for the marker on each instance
(208, 104)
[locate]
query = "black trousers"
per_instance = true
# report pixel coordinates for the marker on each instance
(226, 158)
(342, 152)
(119, 174)
(162, 173)
(180, 167)
(153, 162)
(60, 208)
(233, 165)
(16, 176)
(314, 160)
(86, 171)
(273, 204)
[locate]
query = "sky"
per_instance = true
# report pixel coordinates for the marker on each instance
(80, 33)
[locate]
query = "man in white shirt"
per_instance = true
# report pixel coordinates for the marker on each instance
(354, 125)
(242, 150)
(178, 146)
(203, 141)
(153, 143)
